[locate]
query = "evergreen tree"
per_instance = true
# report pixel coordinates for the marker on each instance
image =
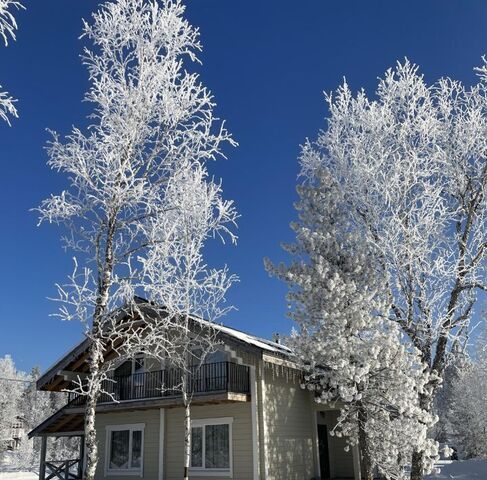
(350, 350)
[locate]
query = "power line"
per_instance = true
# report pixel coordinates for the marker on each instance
(15, 380)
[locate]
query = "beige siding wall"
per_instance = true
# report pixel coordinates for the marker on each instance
(286, 434)
(241, 433)
(288, 427)
(151, 440)
(174, 441)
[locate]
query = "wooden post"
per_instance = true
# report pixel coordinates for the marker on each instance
(81, 456)
(42, 466)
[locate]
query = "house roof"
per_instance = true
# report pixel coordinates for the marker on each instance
(77, 355)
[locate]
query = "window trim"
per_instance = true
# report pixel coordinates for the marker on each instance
(131, 427)
(214, 472)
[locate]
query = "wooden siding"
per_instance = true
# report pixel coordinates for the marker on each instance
(151, 440)
(241, 437)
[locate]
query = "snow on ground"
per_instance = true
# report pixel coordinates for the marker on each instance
(461, 470)
(18, 476)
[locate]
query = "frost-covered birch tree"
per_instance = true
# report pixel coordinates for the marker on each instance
(138, 187)
(412, 166)
(177, 276)
(8, 27)
(352, 354)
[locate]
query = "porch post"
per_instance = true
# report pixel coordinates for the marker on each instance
(42, 466)
(81, 456)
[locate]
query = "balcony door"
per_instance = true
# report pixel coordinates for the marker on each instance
(130, 379)
(209, 374)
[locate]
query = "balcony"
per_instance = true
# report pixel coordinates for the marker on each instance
(211, 378)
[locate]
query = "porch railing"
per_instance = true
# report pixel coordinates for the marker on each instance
(207, 378)
(62, 470)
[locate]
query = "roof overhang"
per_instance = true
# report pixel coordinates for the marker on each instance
(62, 424)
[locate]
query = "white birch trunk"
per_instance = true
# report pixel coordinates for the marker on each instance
(187, 434)
(90, 413)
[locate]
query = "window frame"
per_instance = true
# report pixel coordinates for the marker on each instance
(132, 427)
(213, 472)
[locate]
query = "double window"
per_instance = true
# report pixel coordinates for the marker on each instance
(125, 449)
(211, 446)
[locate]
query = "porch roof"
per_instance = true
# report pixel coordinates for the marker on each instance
(68, 421)
(60, 424)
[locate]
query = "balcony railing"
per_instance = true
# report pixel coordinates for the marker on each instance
(208, 378)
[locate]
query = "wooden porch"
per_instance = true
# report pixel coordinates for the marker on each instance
(61, 469)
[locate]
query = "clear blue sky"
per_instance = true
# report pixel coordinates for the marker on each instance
(267, 63)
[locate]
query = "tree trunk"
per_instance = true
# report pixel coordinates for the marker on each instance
(96, 358)
(417, 466)
(187, 433)
(417, 460)
(366, 460)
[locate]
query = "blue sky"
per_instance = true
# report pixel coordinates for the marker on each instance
(267, 63)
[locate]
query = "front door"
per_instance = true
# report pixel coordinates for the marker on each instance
(323, 450)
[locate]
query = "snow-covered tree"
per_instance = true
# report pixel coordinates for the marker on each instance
(8, 27)
(457, 365)
(35, 406)
(349, 349)
(467, 419)
(412, 165)
(11, 388)
(138, 187)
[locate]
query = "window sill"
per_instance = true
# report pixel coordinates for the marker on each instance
(210, 473)
(123, 473)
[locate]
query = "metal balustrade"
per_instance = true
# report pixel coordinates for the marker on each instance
(207, 378)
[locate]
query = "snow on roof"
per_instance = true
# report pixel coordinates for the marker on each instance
(261, 343)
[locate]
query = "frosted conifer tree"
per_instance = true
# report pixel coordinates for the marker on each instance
(412, 165)
(349, 349)
(139, 195)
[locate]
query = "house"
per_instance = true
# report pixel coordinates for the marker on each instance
(12, 442)
(250, 419)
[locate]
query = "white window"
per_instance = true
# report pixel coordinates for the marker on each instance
(211, 447)
(124, 449)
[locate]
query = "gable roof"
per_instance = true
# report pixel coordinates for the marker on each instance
(79, 351)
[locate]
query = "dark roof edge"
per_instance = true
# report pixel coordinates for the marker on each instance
(51, 372)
